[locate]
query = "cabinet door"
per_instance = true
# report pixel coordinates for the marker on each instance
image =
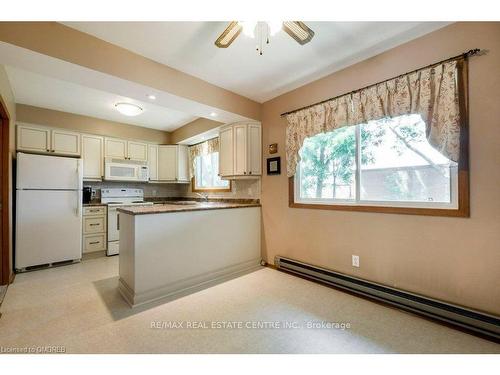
(240, 149)
(226, 152)
(65, 143)
(33, 139)
(93, 156)
(137, 151)
(167, 163)
(115, 148)
(182, 163)
(153, 162)
(254, 158)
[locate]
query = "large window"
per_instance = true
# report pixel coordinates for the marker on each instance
(206, 174)
(387, 163)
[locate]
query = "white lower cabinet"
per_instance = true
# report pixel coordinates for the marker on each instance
(173, 163)
(93, 157)
(94, 228)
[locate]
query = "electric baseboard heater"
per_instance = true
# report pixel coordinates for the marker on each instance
(485, 324)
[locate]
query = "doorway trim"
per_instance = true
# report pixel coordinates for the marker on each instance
(5, 274)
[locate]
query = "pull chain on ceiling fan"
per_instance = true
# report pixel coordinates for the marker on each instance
(263, 31)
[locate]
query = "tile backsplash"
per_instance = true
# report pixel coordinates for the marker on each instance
(241, 189)
(150, 190)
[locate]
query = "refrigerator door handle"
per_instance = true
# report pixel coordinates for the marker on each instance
(78, 179)
(78, 203)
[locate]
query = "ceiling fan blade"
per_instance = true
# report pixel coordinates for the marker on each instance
(298, 31)
(229, 35)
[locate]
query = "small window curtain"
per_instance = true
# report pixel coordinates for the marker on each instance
(203, 148)
(433, 93)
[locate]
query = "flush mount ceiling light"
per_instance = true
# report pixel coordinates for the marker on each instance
(128, 109)
(152, 97)
(213, 114)
(262, 31)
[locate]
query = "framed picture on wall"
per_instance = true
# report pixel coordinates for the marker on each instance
(274, 166)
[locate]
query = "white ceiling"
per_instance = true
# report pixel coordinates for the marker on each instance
(285, 65)
(47, 92)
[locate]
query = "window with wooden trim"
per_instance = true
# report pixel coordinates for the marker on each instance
(206, 174)
(385, 166)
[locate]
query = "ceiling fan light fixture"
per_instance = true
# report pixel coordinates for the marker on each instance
(229, 35)
(298, 31)
(128, 109)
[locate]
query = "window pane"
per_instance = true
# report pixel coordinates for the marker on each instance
(328, 165)
(399, 164)
(206, 172)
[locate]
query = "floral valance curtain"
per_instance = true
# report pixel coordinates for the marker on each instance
(203, 148)
(432, 93)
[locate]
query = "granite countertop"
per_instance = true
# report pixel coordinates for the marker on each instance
(198, 206)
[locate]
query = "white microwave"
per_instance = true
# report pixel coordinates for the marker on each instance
(125, 170)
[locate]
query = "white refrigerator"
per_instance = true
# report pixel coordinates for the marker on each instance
(48, 210)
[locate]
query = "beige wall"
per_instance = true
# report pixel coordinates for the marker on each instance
(193, 128)
(62, 42)
(453, 259)
(85, 124)
(8, 99)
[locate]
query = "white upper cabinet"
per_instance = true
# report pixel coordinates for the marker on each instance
(93, 157)
(137, 151)
(45, 140)
(167, 161)
(182, 163)
(240, 149)
(65, 143)
(115, 148)
(30, 138)
(240, 153)
(153, 162)
(173, 163)
(126, 150)
(226, 156)
(254, 150)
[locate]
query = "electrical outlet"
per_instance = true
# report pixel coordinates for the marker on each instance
(355, 260)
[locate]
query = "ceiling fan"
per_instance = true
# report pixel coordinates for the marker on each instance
(263, 31)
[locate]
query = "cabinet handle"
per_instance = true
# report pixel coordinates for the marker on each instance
(117, 221)
(48, 150)
(93, 242)
(249, 172)
(92, 225)
(244, 172)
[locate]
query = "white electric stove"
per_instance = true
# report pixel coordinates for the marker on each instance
(115, 198)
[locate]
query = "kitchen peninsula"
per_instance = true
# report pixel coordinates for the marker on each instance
(173, 249)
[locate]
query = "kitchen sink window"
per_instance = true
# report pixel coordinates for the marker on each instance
(205, 167)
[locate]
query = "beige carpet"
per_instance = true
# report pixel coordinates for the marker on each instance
(78, 307)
